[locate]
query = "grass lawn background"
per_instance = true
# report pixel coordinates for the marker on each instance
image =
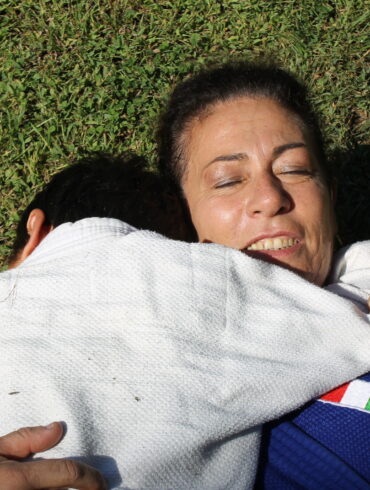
(93, 75)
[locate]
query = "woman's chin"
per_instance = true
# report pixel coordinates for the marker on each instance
(268, 256)
(283, 258)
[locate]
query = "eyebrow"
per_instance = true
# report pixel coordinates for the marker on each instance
(289, 146)
(275, 153)
(229, 158)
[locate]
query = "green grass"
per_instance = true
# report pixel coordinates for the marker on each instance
(93, 75)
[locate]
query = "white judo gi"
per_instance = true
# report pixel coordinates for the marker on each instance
(165, 358)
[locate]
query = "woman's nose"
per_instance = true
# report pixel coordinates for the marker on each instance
(268, 197)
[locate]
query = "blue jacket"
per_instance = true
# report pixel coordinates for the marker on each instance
(324, 446)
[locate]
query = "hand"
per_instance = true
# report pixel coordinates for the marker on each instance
(42, 474)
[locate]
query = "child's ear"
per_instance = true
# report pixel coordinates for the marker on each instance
(37, 231)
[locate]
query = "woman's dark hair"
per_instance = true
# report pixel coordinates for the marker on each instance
(193, 97)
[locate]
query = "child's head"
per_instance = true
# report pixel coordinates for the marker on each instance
(96, 186)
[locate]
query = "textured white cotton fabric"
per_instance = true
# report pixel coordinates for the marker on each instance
(164, 358)
(351, 274)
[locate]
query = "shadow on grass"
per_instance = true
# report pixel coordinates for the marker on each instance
(352, 171)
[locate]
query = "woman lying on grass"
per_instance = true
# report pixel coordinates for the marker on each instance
(246, 151)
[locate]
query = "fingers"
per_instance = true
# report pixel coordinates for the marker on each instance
(52, 473)
(28, 440)
(42, 474)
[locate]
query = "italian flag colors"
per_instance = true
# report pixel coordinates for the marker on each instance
(355, 394)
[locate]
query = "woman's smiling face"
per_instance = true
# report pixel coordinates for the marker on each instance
(252, 182)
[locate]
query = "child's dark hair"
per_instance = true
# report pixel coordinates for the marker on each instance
(193, 97)
(101, 185)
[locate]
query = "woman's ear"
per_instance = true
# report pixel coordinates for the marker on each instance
(37, 231)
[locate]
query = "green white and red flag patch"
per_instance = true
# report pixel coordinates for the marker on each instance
(355, 394)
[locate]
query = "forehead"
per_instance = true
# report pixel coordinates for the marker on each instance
(242, 123)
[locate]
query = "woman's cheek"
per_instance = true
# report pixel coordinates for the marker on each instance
(218, 221)
(319, 235)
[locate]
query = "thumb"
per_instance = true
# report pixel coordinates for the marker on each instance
(28, 440)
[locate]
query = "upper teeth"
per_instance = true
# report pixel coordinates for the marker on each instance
(273, 243)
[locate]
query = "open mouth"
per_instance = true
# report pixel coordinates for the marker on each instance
(276, 243)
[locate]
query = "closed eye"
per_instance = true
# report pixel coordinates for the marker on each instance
(296, 176)
(227, 183)
(298, 172)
